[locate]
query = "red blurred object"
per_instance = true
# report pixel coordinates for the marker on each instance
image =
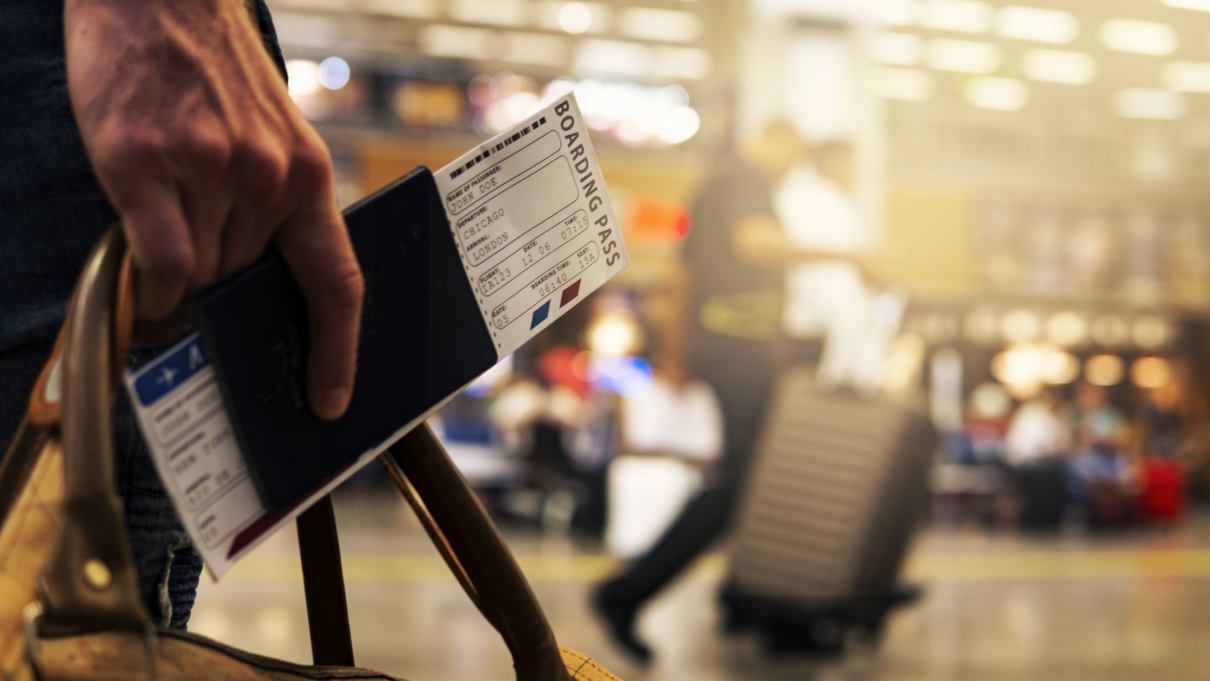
(560, 366)
(1163, 495)
(654, 220)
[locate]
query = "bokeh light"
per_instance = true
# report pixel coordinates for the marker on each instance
(333, 73)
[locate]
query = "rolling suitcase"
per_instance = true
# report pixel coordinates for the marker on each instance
(827, 513)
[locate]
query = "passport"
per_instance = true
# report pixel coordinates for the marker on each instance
(422, 339)
(462, 267)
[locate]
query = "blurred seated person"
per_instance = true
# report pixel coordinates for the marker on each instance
(1099, 426)
(1165, 428)
(1036, 444)
(536, 415)
(1037, 433)
(1170, 446)
(986, 423)
(1101, 473)
(736, 253)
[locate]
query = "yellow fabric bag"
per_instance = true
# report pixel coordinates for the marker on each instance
(69, 605)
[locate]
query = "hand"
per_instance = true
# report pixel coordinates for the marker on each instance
(195, 140)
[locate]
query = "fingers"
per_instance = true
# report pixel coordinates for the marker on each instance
(205, 196)
(316, 248)
(207, 210)
(259, 180)
(162, 248)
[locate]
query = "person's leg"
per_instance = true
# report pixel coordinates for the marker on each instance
(168, 565)
(19, 369)
(743, 398)
(703, 519)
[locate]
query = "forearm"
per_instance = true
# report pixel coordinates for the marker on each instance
(761, 241)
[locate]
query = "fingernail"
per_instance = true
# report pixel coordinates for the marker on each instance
(333, 404)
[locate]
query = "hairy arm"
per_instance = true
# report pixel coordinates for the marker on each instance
(194, 138)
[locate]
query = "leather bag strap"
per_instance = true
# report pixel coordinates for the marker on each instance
(90, 579)
(476, 553)
(324, 585)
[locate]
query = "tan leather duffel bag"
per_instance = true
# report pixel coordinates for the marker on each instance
(69, 605)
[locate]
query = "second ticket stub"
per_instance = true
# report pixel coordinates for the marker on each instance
(532, 221)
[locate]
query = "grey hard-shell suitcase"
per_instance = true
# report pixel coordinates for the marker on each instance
(827, 514)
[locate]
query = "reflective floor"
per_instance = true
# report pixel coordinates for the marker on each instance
(996, 607)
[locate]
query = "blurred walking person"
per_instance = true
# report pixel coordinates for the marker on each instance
(736, 253)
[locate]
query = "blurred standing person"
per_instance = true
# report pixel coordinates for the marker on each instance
(828, 297)
(735, 252)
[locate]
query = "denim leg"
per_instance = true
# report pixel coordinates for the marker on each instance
(168, 565)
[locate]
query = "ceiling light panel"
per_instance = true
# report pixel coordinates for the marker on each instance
(1059, 66)
(1001, 94)
(1199, 5)
(1150, 103)
(966, 16)
(613, 57)
(440, 40)
(686, 63)
(1140, 37)
(534, 48)
(896, 49)
(329, 5)
(963, 56)
(659, 24)
(897, 12)
(909, 85)
(554, 14)
(1034, 23)
(501, 12)
(412, 9)
(1186, 76)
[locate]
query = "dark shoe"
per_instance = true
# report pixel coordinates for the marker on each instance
(619, 615)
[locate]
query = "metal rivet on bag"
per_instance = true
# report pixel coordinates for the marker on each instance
(97, 574)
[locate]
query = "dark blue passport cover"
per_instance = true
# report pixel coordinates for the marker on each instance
(422, 338)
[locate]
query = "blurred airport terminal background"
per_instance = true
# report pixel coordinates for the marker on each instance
(1018, 192)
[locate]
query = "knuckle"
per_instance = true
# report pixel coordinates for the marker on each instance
(130, 150)
(209, 152)
(262, 169)
(312, 168)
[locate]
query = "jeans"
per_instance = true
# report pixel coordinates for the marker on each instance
(52, 211)
(167, 563)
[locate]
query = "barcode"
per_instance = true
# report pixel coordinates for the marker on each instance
(500, 145)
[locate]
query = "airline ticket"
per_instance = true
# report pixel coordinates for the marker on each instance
(536, 231)
(533, 222)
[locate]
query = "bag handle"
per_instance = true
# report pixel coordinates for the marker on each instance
(90, 579)
(472, 547)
